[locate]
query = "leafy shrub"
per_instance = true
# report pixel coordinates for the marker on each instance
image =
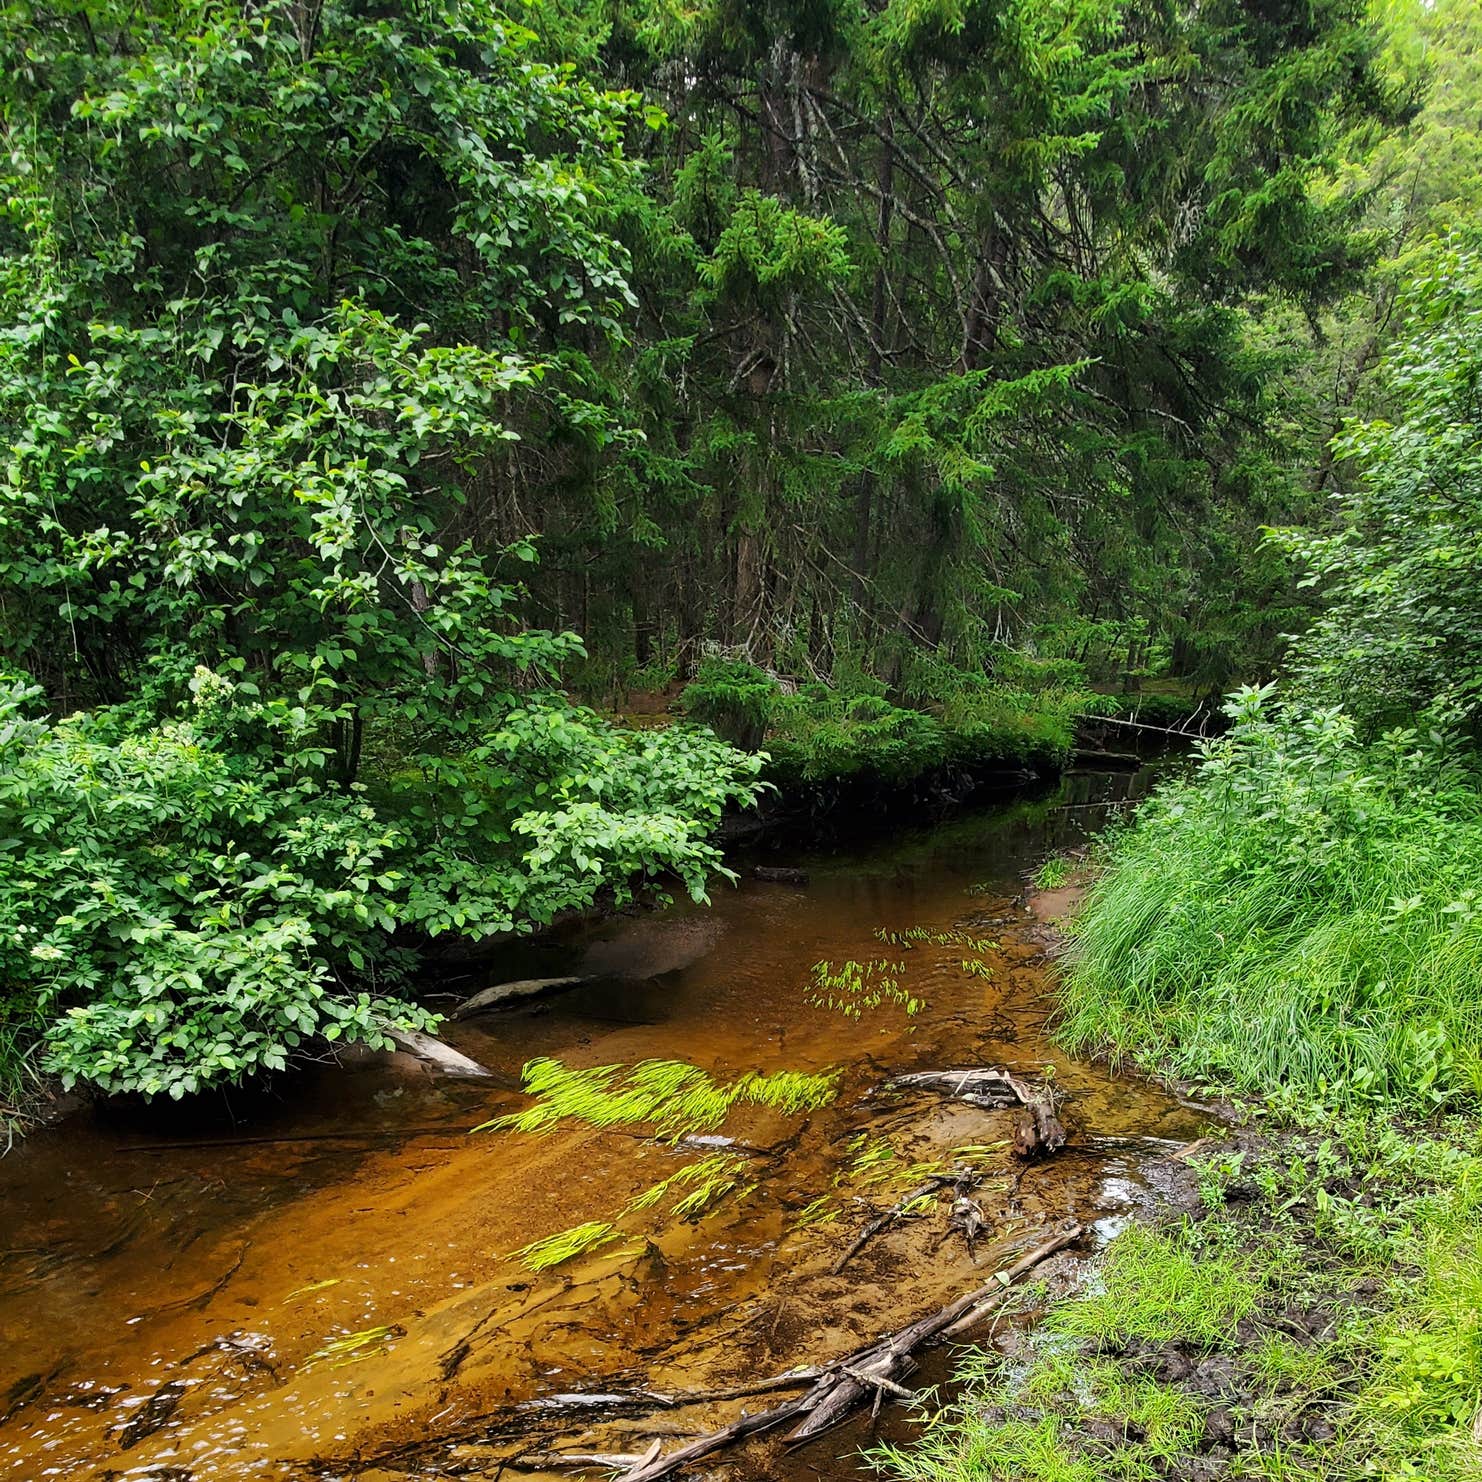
(195, 901)
(1304, 912)
(243, 438)
(1400, 633)
(173, 906)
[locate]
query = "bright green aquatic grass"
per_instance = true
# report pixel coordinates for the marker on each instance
(1302, 914)
(565, 1245)
(675, 1098)
(694, 1191)
(850, 988)
(705, 1183)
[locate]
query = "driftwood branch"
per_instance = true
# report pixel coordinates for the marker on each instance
(649, 1399)
(747, 1425)
(1186, 732)
(555, 1461)
(432, 1051)
(1039, 1129)
(501, 993)
(846, 1382)
(895, 1212)
(1126, 761)
(877, 1381)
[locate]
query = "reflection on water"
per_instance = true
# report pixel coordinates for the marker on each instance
(330, 1285)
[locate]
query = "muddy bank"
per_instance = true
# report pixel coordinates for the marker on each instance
(344, 1285)
(1300, 1303)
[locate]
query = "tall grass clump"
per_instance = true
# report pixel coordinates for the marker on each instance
(1303, 913)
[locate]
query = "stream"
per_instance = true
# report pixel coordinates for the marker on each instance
(339, 1284)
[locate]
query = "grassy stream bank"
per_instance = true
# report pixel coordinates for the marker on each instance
(1311, 1313)
(1292, 925)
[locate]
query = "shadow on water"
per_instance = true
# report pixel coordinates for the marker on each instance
(332, 1285)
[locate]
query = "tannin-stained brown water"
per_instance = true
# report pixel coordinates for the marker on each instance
(330, 1288)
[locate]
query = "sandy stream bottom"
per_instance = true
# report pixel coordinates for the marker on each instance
(167, 1302)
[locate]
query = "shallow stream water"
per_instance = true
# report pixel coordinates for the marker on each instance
(331, 1286)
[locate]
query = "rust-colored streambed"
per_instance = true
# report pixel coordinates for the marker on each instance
(330, 1288)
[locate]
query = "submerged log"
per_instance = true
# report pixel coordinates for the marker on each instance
(747, 1425)
(1039, 1128)
(779, 875)
(581, 1461)
(489, 998)
(432, 1051)
(1111, 761)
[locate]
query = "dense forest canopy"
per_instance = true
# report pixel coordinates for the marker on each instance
(944, 339)
(379, 381)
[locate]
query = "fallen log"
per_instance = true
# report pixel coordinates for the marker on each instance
(500, 993)
(779, 875)
(1187, 732)
(988, 1086)
(747, 1425)
(875, 1369)
(833, 1399)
